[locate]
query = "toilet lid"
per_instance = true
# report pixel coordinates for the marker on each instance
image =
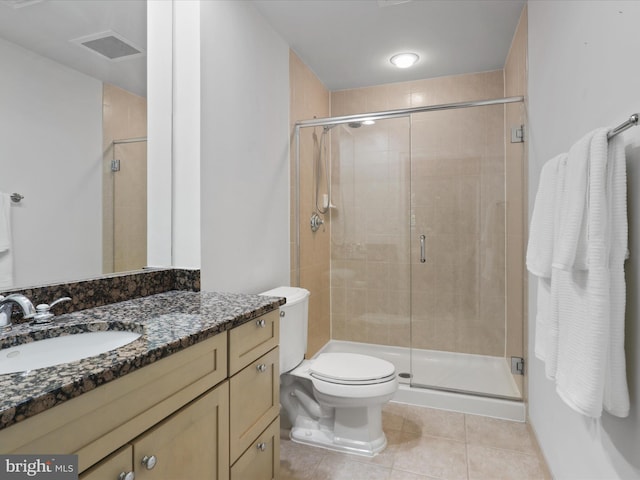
(351, 368)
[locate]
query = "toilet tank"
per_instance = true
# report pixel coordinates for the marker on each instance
(293, 325)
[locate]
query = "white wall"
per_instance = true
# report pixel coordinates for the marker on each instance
(584, 72)
(186, 135)
(51, 152)
(159, 132)
(244, 150)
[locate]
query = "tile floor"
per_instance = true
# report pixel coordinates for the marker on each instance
(424, 443)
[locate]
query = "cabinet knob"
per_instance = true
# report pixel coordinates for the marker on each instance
(261, 323)
(261, 368)
(149, 461)
(126, 476)
(262, 446)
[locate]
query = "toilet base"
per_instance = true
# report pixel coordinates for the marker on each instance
(325, 438)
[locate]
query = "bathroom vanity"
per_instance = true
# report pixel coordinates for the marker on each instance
(195, 397)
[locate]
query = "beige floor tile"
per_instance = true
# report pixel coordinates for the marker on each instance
(333, 467)
(433, 456)
(400, 475)
(435, 423)
(425, 444)
(298, 461)
(486, 463)
(504, 434)
(393, 416)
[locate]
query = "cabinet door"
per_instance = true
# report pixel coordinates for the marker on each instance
(255, 401)
(190, 444)
(111, 467)
(261, 461)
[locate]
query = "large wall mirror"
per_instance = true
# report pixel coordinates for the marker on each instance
(73, 138)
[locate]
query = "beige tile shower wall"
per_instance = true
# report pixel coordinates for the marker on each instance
(309, 99)
(124, 116)
(458, 203)
(515, 76)
(370, 287)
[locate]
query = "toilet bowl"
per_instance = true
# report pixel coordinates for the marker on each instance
(333, 400)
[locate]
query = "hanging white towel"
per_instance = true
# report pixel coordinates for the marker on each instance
(542, 234)
(6, 252)
(583, 299)
(570, 250)
(616, 392)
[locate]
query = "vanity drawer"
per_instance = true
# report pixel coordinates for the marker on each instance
(253, 339)
(254, 401)
(261, 461)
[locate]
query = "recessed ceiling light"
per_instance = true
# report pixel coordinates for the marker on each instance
(404, 60)
(368, 122)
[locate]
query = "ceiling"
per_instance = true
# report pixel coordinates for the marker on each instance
(348, 43)
(50, 28)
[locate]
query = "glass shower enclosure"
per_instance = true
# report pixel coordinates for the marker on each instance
(418, 245)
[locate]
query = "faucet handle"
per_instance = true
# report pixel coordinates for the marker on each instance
(43, 314)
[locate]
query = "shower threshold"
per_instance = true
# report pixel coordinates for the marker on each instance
(474, 384)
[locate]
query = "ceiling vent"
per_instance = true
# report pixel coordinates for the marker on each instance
(110, 45)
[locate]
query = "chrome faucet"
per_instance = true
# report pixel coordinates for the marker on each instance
(6, 308)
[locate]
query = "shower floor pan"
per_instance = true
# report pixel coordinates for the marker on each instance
(474, 384)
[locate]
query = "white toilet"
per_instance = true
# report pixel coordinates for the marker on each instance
(335, 399)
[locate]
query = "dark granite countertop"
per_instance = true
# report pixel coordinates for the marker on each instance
(168, 322)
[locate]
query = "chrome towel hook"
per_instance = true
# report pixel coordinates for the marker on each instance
(16, 197)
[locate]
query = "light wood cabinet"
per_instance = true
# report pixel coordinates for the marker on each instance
(113, 467)
(255, 401)
(101, 421)
(198, 411)
(191, 443)
(254, 406)
(261, 461)
(252, 340)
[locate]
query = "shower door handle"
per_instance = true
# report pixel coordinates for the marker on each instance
(422, 249)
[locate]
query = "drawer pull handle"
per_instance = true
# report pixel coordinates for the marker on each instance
(261, 323)
(261, 368)
(149, 461)
(126, 476)
(262, 446)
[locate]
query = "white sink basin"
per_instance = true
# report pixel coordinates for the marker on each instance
(59, 350)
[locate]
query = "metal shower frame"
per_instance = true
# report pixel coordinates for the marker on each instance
(319, 122)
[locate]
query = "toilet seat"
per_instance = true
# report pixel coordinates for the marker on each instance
(351, 369)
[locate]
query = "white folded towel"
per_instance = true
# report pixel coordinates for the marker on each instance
(583, 296)
(616, 392)
(6, 253)
(542, 237)
(570, 250)
(590, 303)
(581, 290)
(541, 232)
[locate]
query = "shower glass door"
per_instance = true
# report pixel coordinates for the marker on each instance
(370, 244)
(458, 252)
